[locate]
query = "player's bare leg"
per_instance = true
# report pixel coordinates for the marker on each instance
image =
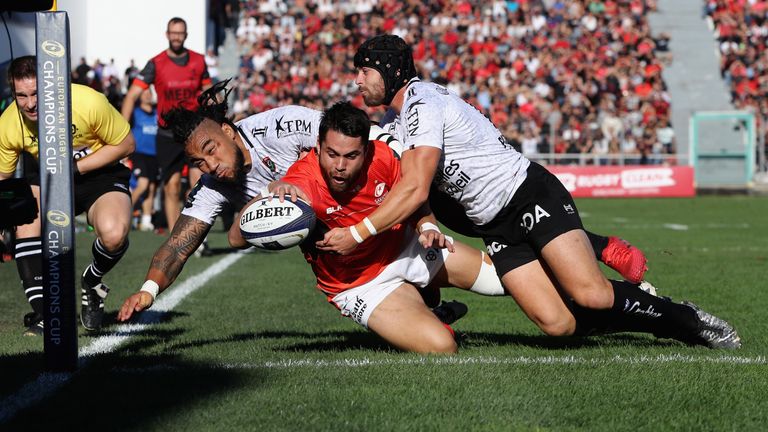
(110, 216)
(404, 321)
(533, 290)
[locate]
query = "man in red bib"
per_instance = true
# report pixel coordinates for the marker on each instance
(179, 76)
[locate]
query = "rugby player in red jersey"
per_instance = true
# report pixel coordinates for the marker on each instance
(344, 179)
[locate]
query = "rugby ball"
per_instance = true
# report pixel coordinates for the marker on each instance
(274, 225)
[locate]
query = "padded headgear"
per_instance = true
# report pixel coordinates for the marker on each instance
(392, 57)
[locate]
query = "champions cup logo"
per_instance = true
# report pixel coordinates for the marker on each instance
(58, 218)
(53, 48)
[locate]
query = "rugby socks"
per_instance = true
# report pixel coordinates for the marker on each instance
(634, 310)
(103, 262)
(598, 244)
(29, 261)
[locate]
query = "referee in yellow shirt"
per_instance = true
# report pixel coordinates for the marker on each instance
(101, 138)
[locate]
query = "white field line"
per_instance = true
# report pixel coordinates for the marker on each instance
(47, 383)
(675, 227)
(469, 361)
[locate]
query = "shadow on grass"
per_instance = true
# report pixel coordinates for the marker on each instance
(131, 393)
(339, 341)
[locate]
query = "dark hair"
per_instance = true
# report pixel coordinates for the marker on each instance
(344, 118)
(21, 68)
(176, 20)
(392, 57)
(212, 106)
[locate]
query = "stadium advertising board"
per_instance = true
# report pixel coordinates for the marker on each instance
(626, 181)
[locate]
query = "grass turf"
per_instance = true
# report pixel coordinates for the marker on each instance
(257, 348)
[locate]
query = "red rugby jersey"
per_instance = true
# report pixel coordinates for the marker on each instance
(174, 84)
(336, 273)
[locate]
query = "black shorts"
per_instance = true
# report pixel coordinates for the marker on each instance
(89, 187)
(170, 154)
(145, 166)
(31, 168)
(541, 210)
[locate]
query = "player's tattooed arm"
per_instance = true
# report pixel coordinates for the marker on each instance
(188, 233)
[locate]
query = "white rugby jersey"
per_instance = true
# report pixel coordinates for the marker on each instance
(477, 168)
(274, 139)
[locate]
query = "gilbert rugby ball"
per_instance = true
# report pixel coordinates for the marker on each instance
(274, 225)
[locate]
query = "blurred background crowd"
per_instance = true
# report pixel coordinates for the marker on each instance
(577, 78)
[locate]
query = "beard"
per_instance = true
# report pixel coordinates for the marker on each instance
(240, 171)
(374, 96)
(181, 50)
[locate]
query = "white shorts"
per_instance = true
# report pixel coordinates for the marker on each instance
(415, 265)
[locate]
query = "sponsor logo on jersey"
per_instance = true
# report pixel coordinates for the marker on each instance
(259, 131)
(331, 210)
(379, 189)
(286, 128)
(412, 118)
(569, 209)
(269, 164)
(495, 247)
(529, 220)
(452, 179)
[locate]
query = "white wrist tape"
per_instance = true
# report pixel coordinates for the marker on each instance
(369, 225)
(151, 287)
(355, 234)
(429, 226)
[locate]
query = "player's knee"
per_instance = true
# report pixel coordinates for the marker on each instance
(596, 295)
(441, 343)
(561, 326)
(113, 235)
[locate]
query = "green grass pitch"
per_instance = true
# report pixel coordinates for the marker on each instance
(258, 348)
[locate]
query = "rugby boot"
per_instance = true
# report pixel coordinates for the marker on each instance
(34, 324)
(92, 310)
(714, 332)
(450, 312)
(626, 259)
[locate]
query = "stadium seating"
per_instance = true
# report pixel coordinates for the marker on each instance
(581, 78)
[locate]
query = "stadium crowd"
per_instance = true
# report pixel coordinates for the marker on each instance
(741, 29)
(575, 77)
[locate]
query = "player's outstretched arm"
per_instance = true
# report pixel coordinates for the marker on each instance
(167, 263)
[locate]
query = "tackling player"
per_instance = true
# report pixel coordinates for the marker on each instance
(527, 219)
(101, 137)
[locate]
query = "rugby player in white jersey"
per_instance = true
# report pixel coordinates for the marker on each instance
(239, 161)
(527, 219)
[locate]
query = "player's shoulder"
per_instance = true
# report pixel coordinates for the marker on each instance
(10, 115)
